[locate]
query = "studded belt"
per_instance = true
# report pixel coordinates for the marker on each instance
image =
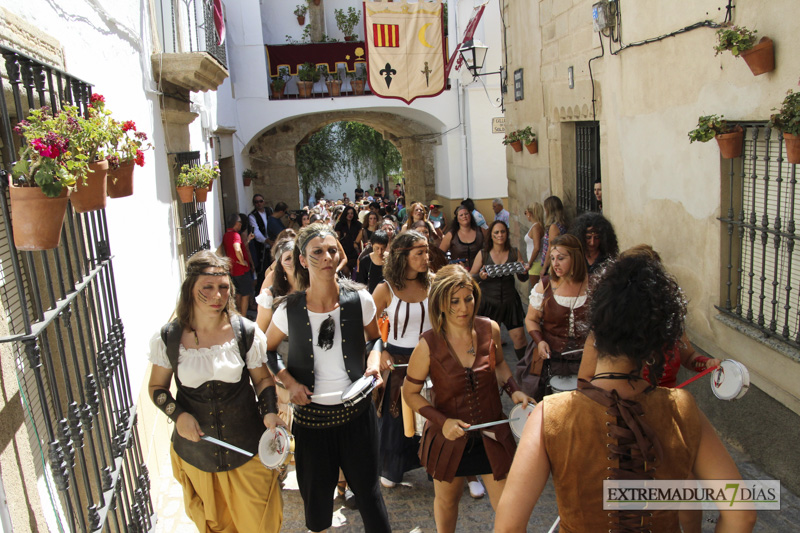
(316, 416)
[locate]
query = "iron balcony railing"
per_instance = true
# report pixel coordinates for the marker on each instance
(762, 269)
(186, 26)
(67, 340)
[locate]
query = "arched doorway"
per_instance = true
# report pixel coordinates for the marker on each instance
(273, 152)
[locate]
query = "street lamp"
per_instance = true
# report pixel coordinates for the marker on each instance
(473, 53)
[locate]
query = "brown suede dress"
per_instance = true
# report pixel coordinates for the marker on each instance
(591, 435)
(469, 394)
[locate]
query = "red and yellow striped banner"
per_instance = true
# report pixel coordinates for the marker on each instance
(386, 35)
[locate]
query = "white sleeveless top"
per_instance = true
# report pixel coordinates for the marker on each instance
(407, 321)
(529, 244)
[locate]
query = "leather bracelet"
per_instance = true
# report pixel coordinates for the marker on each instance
(275, 362)
(375, 345)
(536, 335)
(511, 386)
(699, 362)
(163, 399)
(268, 401)
(435, 416)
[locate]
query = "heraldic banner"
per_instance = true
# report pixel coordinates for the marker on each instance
(405, 49)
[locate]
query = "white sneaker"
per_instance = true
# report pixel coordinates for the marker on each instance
(390, 484)
(476, 489)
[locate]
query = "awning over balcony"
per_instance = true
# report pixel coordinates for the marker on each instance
(292, 55)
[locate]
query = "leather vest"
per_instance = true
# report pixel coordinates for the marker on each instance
(301, 351)
(225, 411)
(555, 322)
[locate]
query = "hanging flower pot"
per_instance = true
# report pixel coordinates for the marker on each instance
(201, 194)
(185, 193)
(247, 181)
(792, 148)
(730, 144)
(301, 20)
(533, 147)
(36, 219)
(516, 145)
(210, 185)
(316, 2)
(760, 58)
(90, 193)
(120, 180)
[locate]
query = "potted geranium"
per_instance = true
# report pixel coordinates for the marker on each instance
(184, 184)
(729, 138)
(787, 119)
(512, 138)
(528, 139)
(204, 176)
(127, 150)
(248, 176)
(346, 22)
(92, 143)
(300, 12)
(42, 178)
(741, 42)
(279, 83)
(307, 75)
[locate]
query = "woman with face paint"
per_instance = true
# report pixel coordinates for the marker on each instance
(462, 355)
(333, 342)
(208, 343)
(404, 297)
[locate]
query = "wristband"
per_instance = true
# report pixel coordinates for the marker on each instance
(536, 335)
(511, 386)
(435, 416)
(169, 405)
(375, 345)
(268, 401)
(699, 363)
(275, 362)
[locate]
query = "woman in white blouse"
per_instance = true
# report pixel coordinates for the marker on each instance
(557, 309)
(217, 359)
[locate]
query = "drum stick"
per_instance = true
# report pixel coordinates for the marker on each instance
(555, 524)
(698, 376)
(400, 366)
(489, 424)
(326, 395)
(224, 444)
(572, 351)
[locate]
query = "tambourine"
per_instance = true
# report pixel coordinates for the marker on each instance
(730, 380)
(518, 417)
(276, 448)
(358, 390)
(563, 383)
(506, 269)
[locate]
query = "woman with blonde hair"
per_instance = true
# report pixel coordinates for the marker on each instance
(462, 354)
(416, 212)
(556, 223)
(533, 240)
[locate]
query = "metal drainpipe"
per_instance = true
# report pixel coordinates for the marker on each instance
(462, 106)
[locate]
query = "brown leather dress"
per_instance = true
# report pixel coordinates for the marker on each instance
(591, 435)
(468, 394)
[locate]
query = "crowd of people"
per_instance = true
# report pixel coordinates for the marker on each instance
(410, 303)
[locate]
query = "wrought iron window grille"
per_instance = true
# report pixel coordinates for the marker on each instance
(587, 164)
(68, 341)
(194, 225)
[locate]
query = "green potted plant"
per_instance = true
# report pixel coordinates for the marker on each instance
(334, 83)
(42, 177)
(729, 138)
(307, 76)
(787, 119)
(741, 42)
(184, 184)
(201, 177)
(127, 151)
(248, 175)
(346, 22)
(300, 12)
(512, 138)
(279, 83)
(359, 81)
(528, 139)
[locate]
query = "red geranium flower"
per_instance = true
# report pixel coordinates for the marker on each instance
(139, 159)
(128, 125)
(97, 98)
(46, 150)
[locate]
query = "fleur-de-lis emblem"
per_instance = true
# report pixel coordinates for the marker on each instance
(388, 72)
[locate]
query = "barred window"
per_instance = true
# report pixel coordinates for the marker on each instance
(763, 271)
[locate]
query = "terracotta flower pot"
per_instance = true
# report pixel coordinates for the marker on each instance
(304, 88)
(334, 87)
(792, 148)
(533, 147)
(760, 58)
(36, 220)
(210, 185)
(517, 146)
(201, 194)
(349, 38)
(301, 20)
(316, 2)
(120, 180)
(90, 193)
(278, 94)
(186, 194)
(247, 181)
(730, 144)
(358, 86)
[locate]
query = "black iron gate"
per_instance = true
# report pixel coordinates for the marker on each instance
(587, 164)
(68, 341)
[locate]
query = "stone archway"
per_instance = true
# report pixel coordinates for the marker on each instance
(272, 152)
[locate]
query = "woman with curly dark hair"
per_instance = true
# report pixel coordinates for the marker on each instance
(619, 425)
(404, 297)
(464, 239)
(598, 237)
(348, 229)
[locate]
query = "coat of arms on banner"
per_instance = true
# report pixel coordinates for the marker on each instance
(405, 49)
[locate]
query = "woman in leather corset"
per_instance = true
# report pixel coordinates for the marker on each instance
(619, 425)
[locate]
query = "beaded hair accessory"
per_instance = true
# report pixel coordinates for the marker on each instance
(320, 231)
(199, 272)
